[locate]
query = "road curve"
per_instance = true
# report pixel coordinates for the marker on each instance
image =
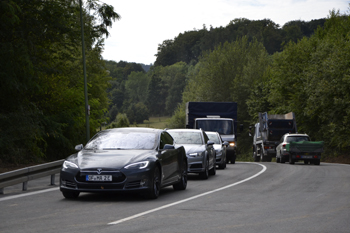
(245, 197)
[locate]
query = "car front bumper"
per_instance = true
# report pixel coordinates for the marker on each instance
(195, 164)
(126, 180)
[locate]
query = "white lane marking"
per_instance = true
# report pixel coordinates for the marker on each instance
(28, 194)
(191, 198)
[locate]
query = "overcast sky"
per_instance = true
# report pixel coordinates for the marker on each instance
(146, 23)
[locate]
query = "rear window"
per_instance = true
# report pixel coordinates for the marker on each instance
(297, 138)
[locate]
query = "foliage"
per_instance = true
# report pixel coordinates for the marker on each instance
(311, 78)
(41, 73)
(190, 45)
(120, 121)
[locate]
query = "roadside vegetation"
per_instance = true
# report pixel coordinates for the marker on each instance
(301, 67)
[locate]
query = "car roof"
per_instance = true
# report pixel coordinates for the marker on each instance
(296, 134)
(211, 132)
(134, 129)
(185, 130)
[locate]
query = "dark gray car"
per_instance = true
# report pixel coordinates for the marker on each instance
(200, 151)
(139, 160)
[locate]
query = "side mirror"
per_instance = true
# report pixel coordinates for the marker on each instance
(168, 147)
(225, 143)
(210, 143)
(79, 147)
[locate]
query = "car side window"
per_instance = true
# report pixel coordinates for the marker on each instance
(165, 138)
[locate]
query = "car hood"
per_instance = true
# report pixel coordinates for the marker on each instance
(193, 148)
(116, 159)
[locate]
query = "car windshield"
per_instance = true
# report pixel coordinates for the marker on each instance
(123, 140)
(186, 137)
(297, 139)
(221, 126)
(214, 138)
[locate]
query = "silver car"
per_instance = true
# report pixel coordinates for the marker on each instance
(220, 148)
(200, 151)
(282, 155)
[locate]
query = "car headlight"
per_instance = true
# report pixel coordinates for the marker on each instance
(139, 165)
(194, 155)
(232, 144)
(68, 164)
(218, 152)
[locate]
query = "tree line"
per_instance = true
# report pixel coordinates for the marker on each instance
(300, 67)
(42, 112)
(310, 77)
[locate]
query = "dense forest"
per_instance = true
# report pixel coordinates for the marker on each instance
(301, 67)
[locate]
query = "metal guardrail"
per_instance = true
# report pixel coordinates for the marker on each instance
(30, 173)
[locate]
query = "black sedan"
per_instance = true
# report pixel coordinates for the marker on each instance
(125, 159)
(200, 151)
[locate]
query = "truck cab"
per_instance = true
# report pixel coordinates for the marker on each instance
(225, 127)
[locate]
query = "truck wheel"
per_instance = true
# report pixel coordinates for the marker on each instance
(256, 158)
(233, 159)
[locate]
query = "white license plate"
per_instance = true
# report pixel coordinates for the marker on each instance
(306, 156)
(98, 178)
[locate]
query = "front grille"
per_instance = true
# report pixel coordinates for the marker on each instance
(198, 165)
(117, 177)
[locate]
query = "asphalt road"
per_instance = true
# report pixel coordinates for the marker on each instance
(245, 197)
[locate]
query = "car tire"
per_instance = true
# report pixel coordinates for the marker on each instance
(223, 164)
(291, 161)
(212, 171)
(205, 174)
(183, 181)
(71, 194)
(154, 190)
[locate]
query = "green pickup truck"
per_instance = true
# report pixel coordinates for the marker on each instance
(308, 151)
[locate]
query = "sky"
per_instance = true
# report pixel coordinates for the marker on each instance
(144, 24)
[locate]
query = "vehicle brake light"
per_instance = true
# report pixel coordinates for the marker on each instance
(268, 147)
(283, 145)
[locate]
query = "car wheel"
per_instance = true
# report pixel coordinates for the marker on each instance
(205, 175)
(70, 194)
(291, 161)
(213, 170)
(282, 160)
(223, 164)
(183, 181)
(154, 190)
